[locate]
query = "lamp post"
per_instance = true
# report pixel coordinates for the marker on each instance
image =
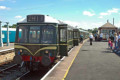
(7, 33)
(1, 42)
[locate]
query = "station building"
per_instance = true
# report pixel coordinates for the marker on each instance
(108, 29)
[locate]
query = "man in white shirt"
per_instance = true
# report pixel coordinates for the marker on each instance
(91, 38)
(101, 36)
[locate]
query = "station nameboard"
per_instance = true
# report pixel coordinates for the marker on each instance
(35, 18)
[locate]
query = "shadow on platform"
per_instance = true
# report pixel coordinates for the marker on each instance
(107, 52)
(118, 54)
(84, 50)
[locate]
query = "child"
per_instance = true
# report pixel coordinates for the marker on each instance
(109, 42)
(111, 45)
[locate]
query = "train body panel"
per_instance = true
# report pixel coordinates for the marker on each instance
(12, 33)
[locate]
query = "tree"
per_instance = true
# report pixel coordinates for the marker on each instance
(5, 26)
(13, 26)
(90, 30)
(95, 30)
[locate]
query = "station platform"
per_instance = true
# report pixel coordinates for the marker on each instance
(7, 47)
(95, 62)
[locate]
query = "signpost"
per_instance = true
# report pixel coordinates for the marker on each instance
(1, 41)
(7, 34)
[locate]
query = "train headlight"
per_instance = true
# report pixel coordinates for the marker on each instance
(46, 51)
(20, 50)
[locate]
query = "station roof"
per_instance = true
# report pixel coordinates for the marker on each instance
(108, 25)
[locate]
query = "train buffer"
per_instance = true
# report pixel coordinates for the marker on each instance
(94, 62)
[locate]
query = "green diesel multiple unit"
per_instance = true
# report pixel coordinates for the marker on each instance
(40, 39)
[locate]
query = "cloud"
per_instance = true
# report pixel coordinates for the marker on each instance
(100, 17)
(72, 23)
(88, 13)
(109, 12)
(113, 10)
(117, 24)
(104, 14)
(84, 24)
(13, 1)
(90, 25)
(18, 17)
(21, 19)
(4, 8)
(1, 0)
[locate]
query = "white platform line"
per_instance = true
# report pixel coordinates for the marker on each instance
(6, 49)
(54, 66)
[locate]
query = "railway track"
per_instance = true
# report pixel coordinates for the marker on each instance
(7, 66)
(12, 72)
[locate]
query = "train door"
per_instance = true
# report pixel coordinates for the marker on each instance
(75, 37)
(63, 41)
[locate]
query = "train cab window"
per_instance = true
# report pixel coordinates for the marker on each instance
(23, 34)
(34, 34)
(48, 35)
(63, 36)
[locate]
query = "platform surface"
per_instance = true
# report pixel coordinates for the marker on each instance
(95, 62)
(7, 47)
(60, 71)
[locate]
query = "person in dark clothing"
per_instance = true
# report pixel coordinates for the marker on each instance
(95, 37)
(81, 38)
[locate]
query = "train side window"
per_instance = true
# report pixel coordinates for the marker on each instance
(63, 37)
(75, 35)
(68, 35)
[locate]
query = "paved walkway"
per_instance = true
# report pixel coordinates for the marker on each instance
(95, 62)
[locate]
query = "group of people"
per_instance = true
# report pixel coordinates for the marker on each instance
(114, 44)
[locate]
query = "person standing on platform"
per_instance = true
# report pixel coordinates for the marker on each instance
(101, 36)
(118, 48)
(107, 37)
(91, 38)
(116, 40)
(95, 37)
(119, 40)
(81, 38)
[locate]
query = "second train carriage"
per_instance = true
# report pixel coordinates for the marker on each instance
(41, 39)
(12, 32)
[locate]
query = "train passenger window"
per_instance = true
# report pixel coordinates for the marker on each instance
(63, 36)
(75, 35)
(23, 34)
(48, 35)
(68, 35)
(34, 34)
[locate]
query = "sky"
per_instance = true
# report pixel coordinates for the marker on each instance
(86, 14)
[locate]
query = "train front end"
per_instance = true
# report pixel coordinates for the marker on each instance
(36, 42)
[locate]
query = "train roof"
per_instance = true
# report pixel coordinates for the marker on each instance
(39, 19)
(81, 30)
